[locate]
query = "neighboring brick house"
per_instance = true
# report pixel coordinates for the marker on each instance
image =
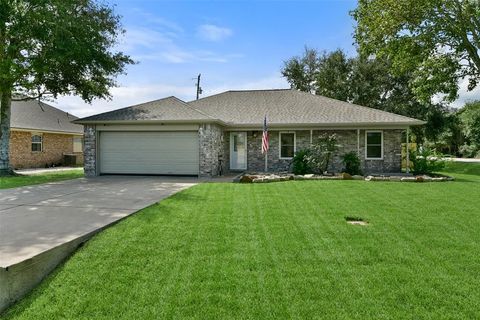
(223, 133)
(42, 135)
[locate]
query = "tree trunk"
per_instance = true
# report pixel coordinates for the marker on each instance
(5, 111)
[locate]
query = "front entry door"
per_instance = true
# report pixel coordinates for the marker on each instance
(238, 150)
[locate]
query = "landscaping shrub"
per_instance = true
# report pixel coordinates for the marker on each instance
(321, 152)
(469, 150)
(352, 163)
(300, 164)
(426, 161)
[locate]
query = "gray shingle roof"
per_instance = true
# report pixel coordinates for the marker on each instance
(287, 106)
(167, 109)
(248, 108)
(36, 115)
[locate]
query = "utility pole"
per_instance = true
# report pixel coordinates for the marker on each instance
(199, 89)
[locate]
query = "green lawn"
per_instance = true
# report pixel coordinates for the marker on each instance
(24, 180)
(281, 250)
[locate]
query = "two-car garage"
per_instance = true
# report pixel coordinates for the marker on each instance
(148, 152)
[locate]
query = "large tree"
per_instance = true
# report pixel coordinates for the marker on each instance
(55, 47)
(301, 71)
(322, 73)
(366, 81)
(436, 41)
(333, 75)
(469, 116)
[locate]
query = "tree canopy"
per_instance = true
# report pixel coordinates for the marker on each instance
(367, 81)
(438, 42)
(59, 47)
(470, 117)
(56, 47)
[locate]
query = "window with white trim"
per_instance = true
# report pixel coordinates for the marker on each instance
(37, 141)
(77, 144)
(374, 145)
(287, 145)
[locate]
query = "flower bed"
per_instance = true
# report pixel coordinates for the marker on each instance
(278, 177)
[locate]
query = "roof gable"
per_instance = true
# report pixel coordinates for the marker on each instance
(37, 115)
(166, 109)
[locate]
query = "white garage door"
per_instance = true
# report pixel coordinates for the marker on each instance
(149, 152)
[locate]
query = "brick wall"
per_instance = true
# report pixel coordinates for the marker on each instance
(54, 147)
(346, 140)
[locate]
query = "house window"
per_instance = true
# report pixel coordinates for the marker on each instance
(235, 143)
(374, 145)
(37, 143)
(77, 144)
(287, 145)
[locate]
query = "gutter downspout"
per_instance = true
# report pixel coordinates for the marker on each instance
(408, 150)
(311, 137)
(358, 143)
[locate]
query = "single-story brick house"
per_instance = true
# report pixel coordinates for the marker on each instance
(41, 135)
(223, 133)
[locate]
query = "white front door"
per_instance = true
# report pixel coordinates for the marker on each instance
(238, 150)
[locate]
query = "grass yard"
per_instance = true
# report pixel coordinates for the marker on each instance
(281, 250)
(24, 180)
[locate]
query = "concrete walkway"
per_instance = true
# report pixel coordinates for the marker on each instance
(35, 219)
(472, 160)
(33, 171)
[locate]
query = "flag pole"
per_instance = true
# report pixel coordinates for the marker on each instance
(266, 165)
(265, 142)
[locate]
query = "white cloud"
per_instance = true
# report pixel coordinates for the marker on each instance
(174, 54)
(211, 32)
(122, 97)
(136, 93)
(139, 39)
(464, 95)
(160, 22)
(149, 44)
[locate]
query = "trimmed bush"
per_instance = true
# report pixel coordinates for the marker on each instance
(300, 163)
(426, 161)
(352, 163)
(469, 150)
(321, 152)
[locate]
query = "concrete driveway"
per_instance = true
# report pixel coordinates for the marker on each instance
(35, 219)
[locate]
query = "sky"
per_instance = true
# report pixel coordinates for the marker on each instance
(233, 44)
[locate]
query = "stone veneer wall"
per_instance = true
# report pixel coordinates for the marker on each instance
(346, 139)
(214, 144)
(55, 146)
(392, 153)
(211, 144)
(90, 150)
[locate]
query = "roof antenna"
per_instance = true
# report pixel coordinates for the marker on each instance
(199, 89)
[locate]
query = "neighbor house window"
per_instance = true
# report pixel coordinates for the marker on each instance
(37, 143)
(287, 145)
(374, 145)
(77, 144)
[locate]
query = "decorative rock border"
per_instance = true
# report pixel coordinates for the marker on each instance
(421, 178)
(278, 177)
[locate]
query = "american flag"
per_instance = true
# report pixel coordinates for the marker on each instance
(265, 136)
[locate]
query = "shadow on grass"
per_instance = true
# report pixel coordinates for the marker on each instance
(463, 168)
(465, 178)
